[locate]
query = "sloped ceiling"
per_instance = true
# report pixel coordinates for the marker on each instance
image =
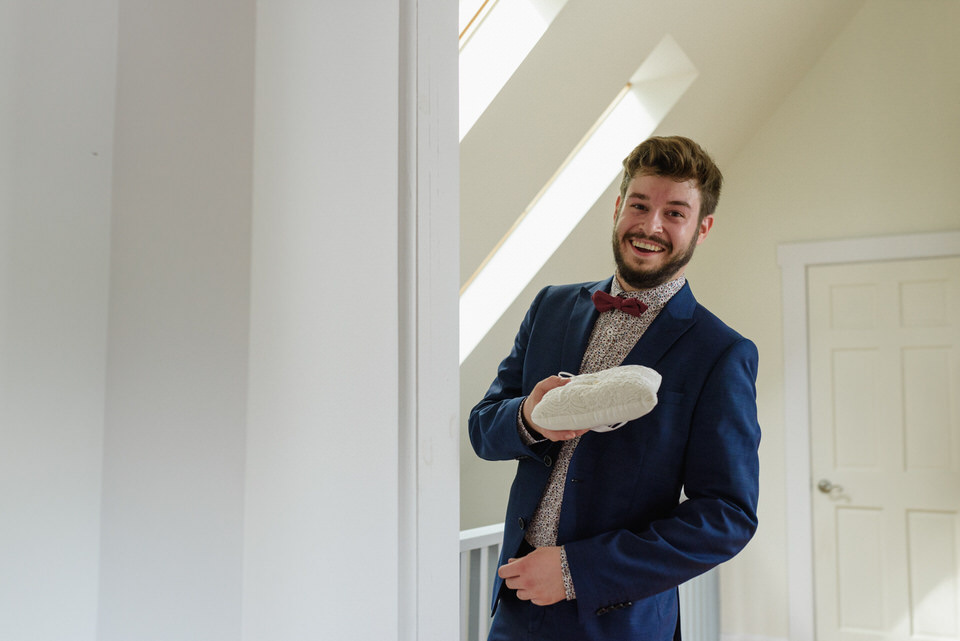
(749, 55)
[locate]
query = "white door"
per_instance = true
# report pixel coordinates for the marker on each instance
(885, 449)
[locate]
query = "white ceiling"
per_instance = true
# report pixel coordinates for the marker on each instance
(749, 54)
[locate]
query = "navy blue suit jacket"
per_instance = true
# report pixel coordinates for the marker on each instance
(629, 539)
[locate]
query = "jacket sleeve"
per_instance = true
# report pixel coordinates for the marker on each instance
(721, 478)
(492, 424)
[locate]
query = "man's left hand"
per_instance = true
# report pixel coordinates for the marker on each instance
(536, 577)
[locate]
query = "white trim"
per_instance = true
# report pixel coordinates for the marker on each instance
(480, 537)
(429, 475)
(475, 604)
(794, 259)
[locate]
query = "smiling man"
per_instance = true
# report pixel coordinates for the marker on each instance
(657, 225)
(597, 538)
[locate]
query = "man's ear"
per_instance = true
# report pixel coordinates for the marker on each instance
(705, 225)
(616, 210)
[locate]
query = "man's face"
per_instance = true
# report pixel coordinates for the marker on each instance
(656, 229)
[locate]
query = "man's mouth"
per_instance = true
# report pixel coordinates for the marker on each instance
(646, 246)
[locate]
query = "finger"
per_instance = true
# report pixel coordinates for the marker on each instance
(546, 385)
(553, 382)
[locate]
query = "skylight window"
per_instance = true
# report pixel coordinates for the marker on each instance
(573, 190)
(471, 11)
(495, 37)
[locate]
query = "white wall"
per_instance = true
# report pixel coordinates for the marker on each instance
(57, 76)
(197, 440)
(174, 445)
(323, 446)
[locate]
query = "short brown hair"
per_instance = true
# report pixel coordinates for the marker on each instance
(678, 158)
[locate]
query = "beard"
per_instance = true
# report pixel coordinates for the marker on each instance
(650, 278)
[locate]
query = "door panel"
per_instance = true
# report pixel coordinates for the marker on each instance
(932, 553)
(885, 441)
(860, 568)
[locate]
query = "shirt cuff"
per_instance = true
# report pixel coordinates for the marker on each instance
(567, 578)
(526, 434)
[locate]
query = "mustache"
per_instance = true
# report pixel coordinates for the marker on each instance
(656, 239)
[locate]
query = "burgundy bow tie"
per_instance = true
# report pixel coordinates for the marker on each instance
(605, 302)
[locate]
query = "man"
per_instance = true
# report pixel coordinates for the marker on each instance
(597, 538)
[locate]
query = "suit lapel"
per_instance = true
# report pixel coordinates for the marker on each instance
(673, 322)
(582, 319)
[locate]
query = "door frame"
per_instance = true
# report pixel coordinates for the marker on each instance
(794, 260)
(428, 514)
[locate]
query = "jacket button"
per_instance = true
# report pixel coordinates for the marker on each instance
(521, 523)
(547, 460)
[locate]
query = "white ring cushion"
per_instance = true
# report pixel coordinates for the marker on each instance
(601, 401)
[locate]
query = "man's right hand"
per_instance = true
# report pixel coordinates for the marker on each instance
(535, 396)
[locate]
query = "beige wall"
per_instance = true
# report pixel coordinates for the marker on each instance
(866, 144)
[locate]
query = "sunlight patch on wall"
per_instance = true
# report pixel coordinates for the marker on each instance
(495, 37)
(573, 190)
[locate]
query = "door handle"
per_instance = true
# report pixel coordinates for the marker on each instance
(827, 487)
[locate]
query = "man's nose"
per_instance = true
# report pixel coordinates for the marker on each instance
(654, 222)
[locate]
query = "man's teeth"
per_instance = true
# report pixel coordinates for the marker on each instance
(650, 247)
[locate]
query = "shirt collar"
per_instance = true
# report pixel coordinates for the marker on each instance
(656, 296)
